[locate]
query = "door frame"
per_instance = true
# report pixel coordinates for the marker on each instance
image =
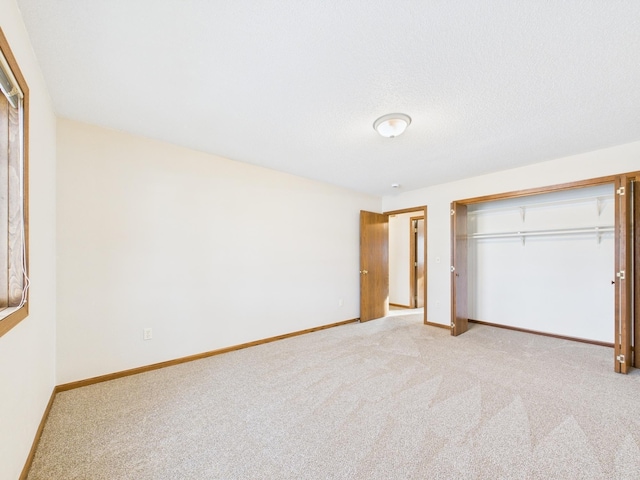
(413, 258)
(422, 212)
(625, 259)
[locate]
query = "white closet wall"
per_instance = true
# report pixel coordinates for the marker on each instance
(545, 262)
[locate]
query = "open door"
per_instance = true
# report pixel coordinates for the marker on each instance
(459, 294)
(636, 275)
(374, 265)
(624, 274)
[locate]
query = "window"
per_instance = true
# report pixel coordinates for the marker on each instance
(14, 281)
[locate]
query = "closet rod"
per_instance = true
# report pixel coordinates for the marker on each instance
(539, 233)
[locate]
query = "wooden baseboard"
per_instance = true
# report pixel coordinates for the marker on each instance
(190, 358)
(545, 334)
(36, 440)
(155, 366)
(439, 325)
(397, 305)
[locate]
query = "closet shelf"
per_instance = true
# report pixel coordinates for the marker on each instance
(598, 200)
(598, 230)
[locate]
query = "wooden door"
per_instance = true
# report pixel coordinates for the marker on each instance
(417, 262)
(623, 274)
(636, 275)
(459, 294)
(374, 265)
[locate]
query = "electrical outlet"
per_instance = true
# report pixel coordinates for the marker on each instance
(147, 334)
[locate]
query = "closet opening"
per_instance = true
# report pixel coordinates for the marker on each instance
(556, 261)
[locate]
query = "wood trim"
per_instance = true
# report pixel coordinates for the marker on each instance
(439, 325)
(10, 321)
(400, 306)
(13, 319)
(412, 259)
(426, 264)
(13, 63)
(147, 368)
(540, 190)
(636, 273)
(36, 439)
(634, 176)
(544, 334)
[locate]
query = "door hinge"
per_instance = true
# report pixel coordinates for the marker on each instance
(620, 274)
(620, 191)
(453, 212)
(620, 358)
(415, 230)
(453, 325)
(453, 269)
(415, 264)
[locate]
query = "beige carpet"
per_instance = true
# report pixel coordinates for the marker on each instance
(389, 399)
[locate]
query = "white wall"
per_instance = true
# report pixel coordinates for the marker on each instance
(27, 352)
(399, 252)
(207, 252)
(619, 159)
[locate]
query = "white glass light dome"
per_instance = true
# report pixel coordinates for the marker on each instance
(392, 125)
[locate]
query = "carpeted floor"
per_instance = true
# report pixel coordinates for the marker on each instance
(388, 399)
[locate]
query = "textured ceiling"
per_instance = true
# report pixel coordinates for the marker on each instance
(296, 85)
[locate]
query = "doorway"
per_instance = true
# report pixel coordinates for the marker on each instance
(375, 260)
(406, 260)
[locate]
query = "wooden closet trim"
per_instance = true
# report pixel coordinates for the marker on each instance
(544, 334)
(540, 190)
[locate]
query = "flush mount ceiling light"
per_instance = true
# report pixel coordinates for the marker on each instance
(392, 125)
